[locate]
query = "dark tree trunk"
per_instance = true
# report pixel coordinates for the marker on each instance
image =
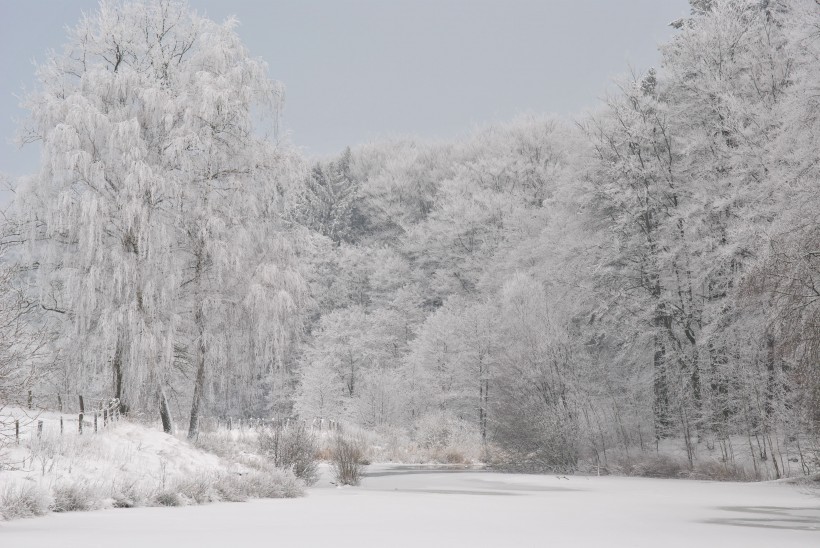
(199, 382)
(662, 416)
(165, 413)
(117, 367)
(199, 321)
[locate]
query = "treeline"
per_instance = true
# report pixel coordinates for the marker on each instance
(564, 290)
(572, 288)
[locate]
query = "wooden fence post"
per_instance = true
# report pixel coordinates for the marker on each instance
(61, 425)
(60, 403)
(95, 422)
(30, 399)
(39, 429)
(80, 423)
(17, 431)
(82, 405)
(105, 418)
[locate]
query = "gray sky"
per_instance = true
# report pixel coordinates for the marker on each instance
(356, 70)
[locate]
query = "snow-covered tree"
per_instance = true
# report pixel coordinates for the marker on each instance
(156, 180)
(327, 202)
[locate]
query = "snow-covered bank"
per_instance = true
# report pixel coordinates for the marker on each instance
(422, 506)
(128, 465)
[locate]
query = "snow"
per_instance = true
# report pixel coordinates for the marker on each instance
(125, 454)
(401, 506)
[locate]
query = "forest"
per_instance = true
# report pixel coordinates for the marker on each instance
(555, 291)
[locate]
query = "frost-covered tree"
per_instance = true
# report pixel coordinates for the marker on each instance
(780, 297)
(156, 180)
(352, 367)
(26, 337)
(539, 402)
(455, 356)
(328, 201)
(689, 187)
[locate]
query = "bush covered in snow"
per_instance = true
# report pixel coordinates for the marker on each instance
(23, 500)
(446, 438)
(293, 447)
(78, 496)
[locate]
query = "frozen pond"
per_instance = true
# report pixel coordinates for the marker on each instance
(416, 506)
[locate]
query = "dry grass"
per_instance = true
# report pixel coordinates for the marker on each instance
(24, 500)
(78, 497)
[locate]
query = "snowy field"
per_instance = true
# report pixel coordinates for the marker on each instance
(415, 506)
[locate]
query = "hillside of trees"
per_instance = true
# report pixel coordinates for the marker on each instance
(561, 289)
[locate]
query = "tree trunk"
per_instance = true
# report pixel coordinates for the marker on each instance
(165, 413)
(199, 382)
(199, 320)
(481, 411)
(483, 396)
(771, 378)
(661, 391)
(118, 374)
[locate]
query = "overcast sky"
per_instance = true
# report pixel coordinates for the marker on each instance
(356, 70)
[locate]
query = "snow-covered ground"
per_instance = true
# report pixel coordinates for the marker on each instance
(125, 451)
(129, 464)
(416, 506)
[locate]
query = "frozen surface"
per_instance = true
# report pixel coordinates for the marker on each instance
(416, 506)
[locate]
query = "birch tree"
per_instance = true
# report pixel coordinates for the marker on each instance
(155, 175)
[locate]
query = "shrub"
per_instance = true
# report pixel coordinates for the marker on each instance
(440, 430)
(76, 497)
(24, 501)
(130, 494)
(393, 444)
(271, 482)
(231, 488)
(720, 471)
(198, 489)
(454, 456)
(537, 442)
(347, 454)
(324, 453)
(653, 466)
(263, 483)
(217, 443)
(293, 447)
(168, 498)
(443, 437)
